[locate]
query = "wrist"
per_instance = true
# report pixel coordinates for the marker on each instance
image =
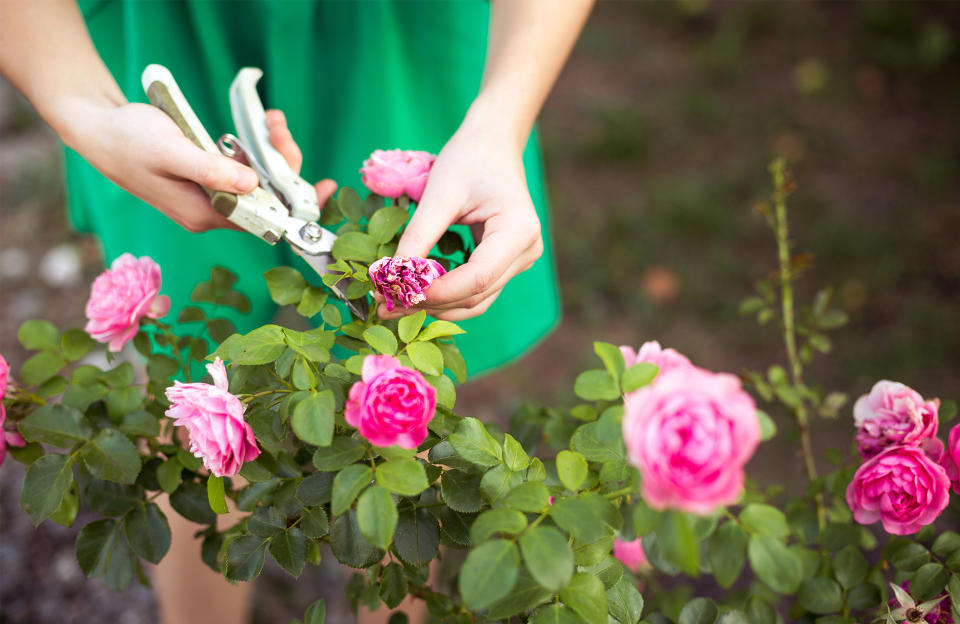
(497, 120)
(78, 119)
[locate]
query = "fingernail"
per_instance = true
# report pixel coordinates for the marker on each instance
(245, 179)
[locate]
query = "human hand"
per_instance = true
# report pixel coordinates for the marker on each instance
(142, 150)
(477, 180)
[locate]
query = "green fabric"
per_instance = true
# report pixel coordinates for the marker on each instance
(351, 77)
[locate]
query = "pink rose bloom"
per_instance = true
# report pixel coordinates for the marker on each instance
(8, 438)
(902, 487)
(652, 353)
(214, 419)
(121, 296)
(951, 458)
(403, 281)
(690, 434)
(893, 414)
(392, 404)
(392, 173)
(630, 554)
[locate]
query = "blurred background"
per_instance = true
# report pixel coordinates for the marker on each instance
(657, 139)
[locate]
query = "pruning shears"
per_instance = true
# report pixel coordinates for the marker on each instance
(285, 205)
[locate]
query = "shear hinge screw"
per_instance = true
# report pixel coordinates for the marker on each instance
(312, 232)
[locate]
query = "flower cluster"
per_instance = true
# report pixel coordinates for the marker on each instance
(392, 173)
(690, 433)
(404, 281)
(121, 296)
(904, 481)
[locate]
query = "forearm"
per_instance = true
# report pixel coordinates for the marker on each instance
(528, 45)
(46, 52)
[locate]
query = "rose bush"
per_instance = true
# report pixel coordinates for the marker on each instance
(347, 438)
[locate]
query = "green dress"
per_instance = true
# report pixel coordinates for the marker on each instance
(351, 77)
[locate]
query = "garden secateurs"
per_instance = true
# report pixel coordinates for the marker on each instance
(285, 205)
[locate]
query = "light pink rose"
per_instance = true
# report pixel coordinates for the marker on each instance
(631, 554)
(214, 420)
(893, 414)
(403, 281)
(121, 296)
(652, 353)
(902, 487)
(392, 173)
(392, 404)
(951, 457)
(690, 434)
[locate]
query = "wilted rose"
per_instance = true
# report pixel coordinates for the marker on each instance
(404, 281)
(631, 554)
(219, 435)
(392, 173)
(392, 404)
(121, 296)
(690, 434)
(893, 414)
(902, 487)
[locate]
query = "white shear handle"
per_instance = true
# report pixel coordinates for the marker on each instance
(250, 121)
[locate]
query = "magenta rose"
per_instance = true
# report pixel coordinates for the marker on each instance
(893, 414)
(392, 173)
(630, 554)
(951, 457)
(404, 281)
(121, 296)
(902, 487)
(392, 404)
(214, 420)
(690, 435)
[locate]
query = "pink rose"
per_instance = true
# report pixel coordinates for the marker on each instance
(690, 434)
(893, 414)
(951, 457)
(214, 419)
(630, 554)
(392, 404)
(7, 438)
(902, 487)
(392, 173)
(4, 373)
(121, 296)
(404, 281)
(652, 353)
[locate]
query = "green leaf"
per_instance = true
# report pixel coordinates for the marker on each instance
(41, 367)
(768, 429)
(909, 557)
(679, 542)
(765, 519)
(639, 375)
(266, 521)
(285, 284)
(405, 477)
(385, 222)
(190, 501)
(821, 596)
(727, 553)
(599, 441)
(439, 329)
(579, 519)
(112, 456)
(44, 486)
(547, 556)
(525, 595)
(315, 523)
(611, 357)
(393, 585)
(147, 531)
(245, 557)
(289, 549)
(261, 346)
(409, 326)
(312, 301)
(586, 595)
(302, 377)
(461, 490)
(140, 423)
(348, 483)
(355, 246)
(381, 339)
(532, 497)
(341, 452)
(488, 574)
(66, 512)
(625, 602)
(474, 444)
(835, 536)
(699, 611)
(556, 614)
(76, 343)
(774, 563)
(505, 521)
(426, 357)
(572, 468)
(377, 516)
(313, 418)
(850, 566)
(596, 385)
(946, 544)
(316, 613)
(37, 334)
(55, 424)
(215, 495)
(350, 204)
(312, 345)
(928, 581)
(514, 457)
(103, 553)
(417, 537)
(497, 481)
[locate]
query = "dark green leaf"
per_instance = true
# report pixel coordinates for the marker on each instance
(349, 204)
(625, 602)
(547, 556)
(488, 574)
(774, 563)
(315, 523)
(55, 424)
(289, 549)
(245, 556)
(461, 490)
(76, 343)
(266, 521)
(140, 423)
(728, 552)
(505, 521)
(910, 557)
(112, 456)
(417, 537)
(821, 596)
(679, 543)
(316, 489)
(928, 581)
(103, 553)
(393, 585)
(525, 595)
(699, 611)
(190, 501)
(44, 486)
(850, 566)
(147, 532)
(342, 451)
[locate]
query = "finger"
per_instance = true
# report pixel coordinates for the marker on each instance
(183, 159)
(459, 314)
(437, 210)
(282, 139)
(325, 190)
(190, 208)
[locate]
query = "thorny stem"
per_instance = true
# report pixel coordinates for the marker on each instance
(778, 169)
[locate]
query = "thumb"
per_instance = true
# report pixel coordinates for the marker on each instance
(437, 211)
(185, 160)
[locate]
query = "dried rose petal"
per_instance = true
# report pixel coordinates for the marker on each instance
(404, 281)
